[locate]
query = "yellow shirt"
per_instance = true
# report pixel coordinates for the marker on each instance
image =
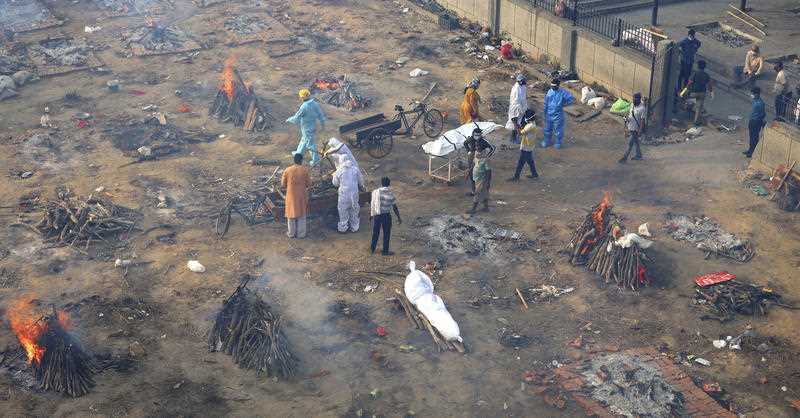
(527, 137)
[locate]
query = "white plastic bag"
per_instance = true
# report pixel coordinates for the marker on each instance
(417, 284)
(598, 103)
(195, 266)
(587, 93)
(417, 72)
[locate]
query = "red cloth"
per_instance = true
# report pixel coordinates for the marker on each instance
(713, 278)
(507, 51)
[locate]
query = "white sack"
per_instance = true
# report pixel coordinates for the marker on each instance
(587, 93)
(598, 103)
(417, 284)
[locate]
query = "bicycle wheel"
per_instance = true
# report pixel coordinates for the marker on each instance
(433, 123)
(223, 221)
(379, 143)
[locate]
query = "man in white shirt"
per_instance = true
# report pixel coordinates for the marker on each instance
(634, 125)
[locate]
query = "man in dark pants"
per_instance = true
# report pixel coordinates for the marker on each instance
(688, 47)
(472, 144)
(634, 125)
(757, 116)
(382, 202)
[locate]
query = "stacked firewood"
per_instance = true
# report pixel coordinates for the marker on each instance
(72, 221)
(596, 245)
(724, 300)
(64, 366)
(239, 104)
(251, 333)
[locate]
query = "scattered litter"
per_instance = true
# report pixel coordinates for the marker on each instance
(644, 231)
(598, 103)
(587, 93)
(719, 343)
(694, 131)
(713, 278)
(91, 29)
(545, 293)
(122, 263)
(418, 72)
(724, 300)
(195, 266)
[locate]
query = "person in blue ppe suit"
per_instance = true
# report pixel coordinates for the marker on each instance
(554, 103)
(307, 116)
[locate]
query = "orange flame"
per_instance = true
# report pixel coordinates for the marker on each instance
(29, 327)
(326, 85)
(227, 80)
(599, 213)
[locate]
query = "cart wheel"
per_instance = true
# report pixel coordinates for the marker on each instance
(432, 123)
(379, 143)
(223, 221)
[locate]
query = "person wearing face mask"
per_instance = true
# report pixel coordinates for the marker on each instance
(634, 124)
(517, 106)
(688, 47)
(757, 116)
(554, 102)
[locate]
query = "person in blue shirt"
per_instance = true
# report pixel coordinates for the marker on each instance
(307, 116)
(688, 47)
(757, 116)
(554, 102)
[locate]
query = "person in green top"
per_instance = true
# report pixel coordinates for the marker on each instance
(482, 175)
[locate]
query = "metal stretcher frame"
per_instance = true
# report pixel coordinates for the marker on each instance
(448, 170)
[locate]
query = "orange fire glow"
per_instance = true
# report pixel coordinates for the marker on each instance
(326, 85)
(599, 213)
(29, 327)
(227, 80)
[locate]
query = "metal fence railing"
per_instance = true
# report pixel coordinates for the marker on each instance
(620, 32)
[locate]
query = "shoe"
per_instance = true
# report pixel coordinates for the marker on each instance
(469, 194)
(544, 144)
(637, 158)
(622, 160)
(532, 176)
(748, 155)
(388, 253)
(746, 152)
(558, 145)
(513, 179)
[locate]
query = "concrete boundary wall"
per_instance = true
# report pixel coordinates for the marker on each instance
(779, 145)
(620, 70)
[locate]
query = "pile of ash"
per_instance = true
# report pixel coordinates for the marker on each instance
(157, 38)
(473, 237)
(708, 236)
(246, 24)
(131, 7)
(25, 15)
(631, 387)
(725, 35)
(63, 52)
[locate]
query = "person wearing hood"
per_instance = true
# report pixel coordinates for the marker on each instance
(338, 148)
(307, 116)
(349, 181)
(469, 106)
(517, 105)
(554, 102)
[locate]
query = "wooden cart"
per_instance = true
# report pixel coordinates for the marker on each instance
(375, 134)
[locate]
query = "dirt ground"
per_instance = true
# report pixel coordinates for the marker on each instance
(167, 310)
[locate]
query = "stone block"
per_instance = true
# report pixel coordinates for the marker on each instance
(522, 23)
(604, 65)
(507, 16)
(468, 6)
(584, 56)
(641, 82)
(623, 74)
(554, 40)
(542, 33)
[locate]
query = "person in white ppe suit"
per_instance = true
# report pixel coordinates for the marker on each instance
(349, 181)
(517, 105)
(338, 149)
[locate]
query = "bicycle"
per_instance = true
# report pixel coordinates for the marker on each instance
(249, 205)
(432, 119)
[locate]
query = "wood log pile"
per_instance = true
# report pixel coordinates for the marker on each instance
(251, 333)
(239, 104)
(421, 322)
(595, 246)
(69, 220)
(340, 92)
(725, 300)
(64, 366)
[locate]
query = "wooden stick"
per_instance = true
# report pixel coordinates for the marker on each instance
(525, 304)
(748, 24)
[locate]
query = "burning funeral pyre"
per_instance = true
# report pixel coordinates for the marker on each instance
(68, 220)
(340, 92)
(251, 333)
(236, 102)
(56, 356)
(601, 244)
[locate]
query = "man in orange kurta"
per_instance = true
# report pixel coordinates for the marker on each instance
(469, 106)
(296, 180)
